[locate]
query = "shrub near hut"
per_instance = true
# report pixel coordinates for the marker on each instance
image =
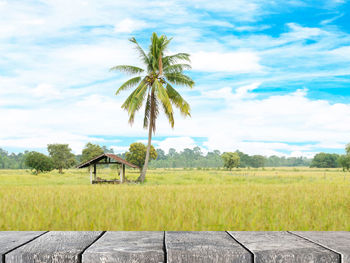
(39, 162)
(137, 154)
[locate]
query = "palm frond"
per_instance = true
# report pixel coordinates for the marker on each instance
(178, 101)
(162, 95)
(179, 79)
(169, 115)
(177, 68)
(147, 111)
(132, 70)
(154, 111)
(134, 102)
(141, 52)
(176, 58)
(128, 84)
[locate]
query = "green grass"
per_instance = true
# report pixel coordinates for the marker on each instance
(178, 199)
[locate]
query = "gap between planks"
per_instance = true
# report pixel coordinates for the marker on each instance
(80, 256)
(341, 259)
(4, 255)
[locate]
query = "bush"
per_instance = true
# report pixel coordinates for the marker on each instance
(39, 162)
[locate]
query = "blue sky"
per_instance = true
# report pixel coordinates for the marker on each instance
(272, 77)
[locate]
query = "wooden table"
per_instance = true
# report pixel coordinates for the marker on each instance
(187, 247)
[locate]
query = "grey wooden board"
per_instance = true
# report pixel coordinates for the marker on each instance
(12, 239)
(338, 241)
(126, 246)
(204, 247)
(283, 247)
(55, 246)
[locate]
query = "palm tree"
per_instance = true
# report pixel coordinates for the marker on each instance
(152, 86)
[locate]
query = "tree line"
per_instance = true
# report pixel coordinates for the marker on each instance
(60, 157)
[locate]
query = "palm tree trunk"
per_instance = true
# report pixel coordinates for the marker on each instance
(144, 169)
(150, 129)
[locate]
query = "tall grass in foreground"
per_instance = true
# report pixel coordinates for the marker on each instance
(197, 200)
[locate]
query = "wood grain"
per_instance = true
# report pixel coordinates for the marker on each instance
(204, 247)
(338, 241)
(283, 247)
(55, 246)
(9, 240)
(124, 247)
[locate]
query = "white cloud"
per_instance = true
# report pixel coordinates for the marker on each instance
(341, 52)
(42, 139)
(240, 61)
(178, 143)
(243, 92)
(255, 125)
(119, 149)
(129, 25)
(300, 32)
(243, 122)
(46, 91)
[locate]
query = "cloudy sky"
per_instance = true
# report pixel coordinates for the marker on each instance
(272, 76)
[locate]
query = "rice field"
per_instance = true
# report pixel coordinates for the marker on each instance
(178, 199)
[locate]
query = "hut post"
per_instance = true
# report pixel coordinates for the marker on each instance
(90, 169)
(123, 172)
(94, 171)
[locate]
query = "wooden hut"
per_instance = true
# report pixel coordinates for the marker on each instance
(104, 159)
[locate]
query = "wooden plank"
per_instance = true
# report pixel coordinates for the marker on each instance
(204, 247)
(338, 241)
(55, 246)
(124, 246)
(10, 240)
(283, 247)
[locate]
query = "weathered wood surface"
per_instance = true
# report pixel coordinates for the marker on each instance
(204, 247)
(283, 247)
(10, 240)
(55, 246)
(160, 247)
(123, 246)
(338, 241)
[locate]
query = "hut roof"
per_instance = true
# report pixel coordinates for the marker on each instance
(106, 156)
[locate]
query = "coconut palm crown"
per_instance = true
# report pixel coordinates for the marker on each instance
(153, 86)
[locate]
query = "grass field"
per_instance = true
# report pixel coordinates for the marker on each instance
(178, 199)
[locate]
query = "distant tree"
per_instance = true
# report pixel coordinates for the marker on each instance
(197, 152)
(213, 159)
(137, 153)
(12, 161)
(344, 162)
(244, 159)
(274, 161)
(39, 162)
(91, 151)
(160, 154)
(325, 160)
(106, 150)
(347, 149)
(61, 155)
(257, 161)
(172, 152)
(230, 160)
